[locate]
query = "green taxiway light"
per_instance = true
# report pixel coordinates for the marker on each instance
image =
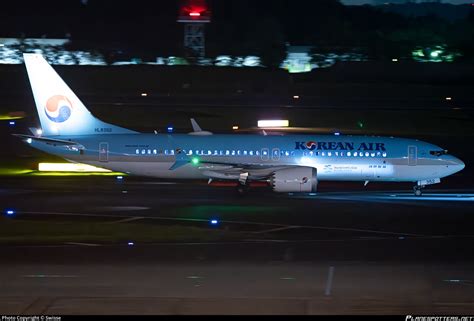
(195, 160)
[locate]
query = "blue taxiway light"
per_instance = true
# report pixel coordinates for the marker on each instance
(337, 133)
(214, 222)
(10, 212)
(170, 129)
(130, 243)
(12, 123)
(119, 177)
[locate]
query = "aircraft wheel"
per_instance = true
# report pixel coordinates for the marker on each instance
(242, 189)
(417, 191)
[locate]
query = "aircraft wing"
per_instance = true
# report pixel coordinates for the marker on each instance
(227, 170)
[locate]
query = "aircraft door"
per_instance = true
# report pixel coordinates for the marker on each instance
(103, 152)
(412, 155)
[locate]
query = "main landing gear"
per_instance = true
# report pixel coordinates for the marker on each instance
(243, 186)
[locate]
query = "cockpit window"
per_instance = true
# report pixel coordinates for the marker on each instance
(438, 152)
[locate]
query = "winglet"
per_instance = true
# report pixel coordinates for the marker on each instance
(195, 125)
(197, 130)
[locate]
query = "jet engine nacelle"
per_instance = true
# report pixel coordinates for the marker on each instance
(297, 179)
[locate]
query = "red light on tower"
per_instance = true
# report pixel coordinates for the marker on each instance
(194, 11)
(194, 14)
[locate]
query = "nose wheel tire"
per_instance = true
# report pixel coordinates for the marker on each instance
(417, 190)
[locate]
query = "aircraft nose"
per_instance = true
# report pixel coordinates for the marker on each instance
(460, 163)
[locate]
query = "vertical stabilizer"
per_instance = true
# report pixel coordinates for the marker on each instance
(60, 110)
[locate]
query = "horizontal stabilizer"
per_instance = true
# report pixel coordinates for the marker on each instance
(47, 140)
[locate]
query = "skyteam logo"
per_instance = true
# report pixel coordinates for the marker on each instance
(311, 145)
(58, 108)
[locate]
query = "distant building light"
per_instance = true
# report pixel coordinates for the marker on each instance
(195, 14)
(235, 127)
(449, 98)
(69, 167)
(273, 123)
(144, 94)
(394, 59)
(296, 97)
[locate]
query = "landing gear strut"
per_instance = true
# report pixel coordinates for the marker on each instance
(417, 189)
(242, 189)
(243, 186)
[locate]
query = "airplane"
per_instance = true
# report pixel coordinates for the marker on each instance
(289, 163)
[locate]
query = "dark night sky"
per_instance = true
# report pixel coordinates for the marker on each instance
(141, 20)
(137, 22)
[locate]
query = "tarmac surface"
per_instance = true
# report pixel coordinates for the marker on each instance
(345, 249)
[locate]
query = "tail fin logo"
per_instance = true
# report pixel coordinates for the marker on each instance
(58, 108)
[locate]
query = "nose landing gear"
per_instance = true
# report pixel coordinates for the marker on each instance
(417, 189)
